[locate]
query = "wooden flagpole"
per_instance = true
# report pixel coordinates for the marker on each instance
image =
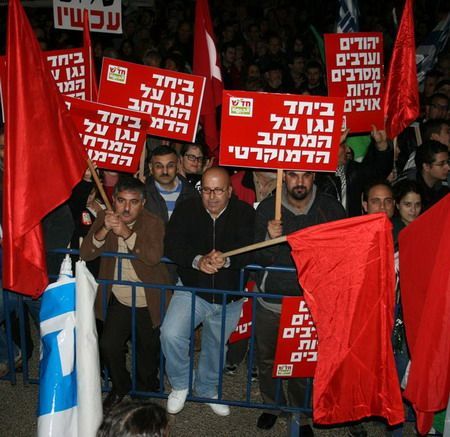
(256, 246)
(97, 181)
(278, 194)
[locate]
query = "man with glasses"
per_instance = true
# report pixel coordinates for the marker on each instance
(193, 161)
(198, 232)
(165, 189)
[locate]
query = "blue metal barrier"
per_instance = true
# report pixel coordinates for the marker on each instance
(247, 402)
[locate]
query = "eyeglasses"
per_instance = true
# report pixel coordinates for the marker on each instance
(441, 163)
(194, 158)
(217, 191)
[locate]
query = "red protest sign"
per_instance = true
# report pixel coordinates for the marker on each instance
(113, 137)
(355, 71)
(296, 354)
(244, 327)
(172, 99)
(71, 70)
(291, 132)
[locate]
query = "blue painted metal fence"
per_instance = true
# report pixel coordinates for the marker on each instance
(16, 303)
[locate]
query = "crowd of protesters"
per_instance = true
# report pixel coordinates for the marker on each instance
(264, 46)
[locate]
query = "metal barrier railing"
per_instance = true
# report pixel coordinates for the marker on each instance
(248, 400)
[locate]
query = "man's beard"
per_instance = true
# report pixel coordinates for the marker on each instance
(299, 192)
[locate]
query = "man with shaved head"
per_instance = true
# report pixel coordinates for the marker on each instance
(199, 231)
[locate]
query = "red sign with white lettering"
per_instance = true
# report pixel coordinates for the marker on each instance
(290, 132)
(113, 137)
(355, 71)
(172, 99)
(71, 70)
(297, 345)
(244, 327)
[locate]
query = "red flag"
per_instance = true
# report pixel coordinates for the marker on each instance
(93, 88)
(207, 63)
(401, 103)
(346, 269)
(44, 157)
(425, 287)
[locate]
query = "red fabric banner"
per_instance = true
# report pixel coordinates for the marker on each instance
(401, 104)
(207, 64)
(355, 71)
(113, 137)
(425, 289)
(172, 99)
(44, 157)
(346, 269)
(286, 131)
(296, 354)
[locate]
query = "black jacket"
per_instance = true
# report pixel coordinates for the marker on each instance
(191, 231)
(324, 209)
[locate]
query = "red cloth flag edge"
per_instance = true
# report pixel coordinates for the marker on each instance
(207, 64)
(93, 88)
(346, 269)
(401, 103)
(425, 287)
(44, 156)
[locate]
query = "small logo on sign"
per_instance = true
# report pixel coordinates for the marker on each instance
(240, 107)
(117, 74)
(284, 369)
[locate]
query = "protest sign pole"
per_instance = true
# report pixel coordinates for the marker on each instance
(256, 246)
(142, 164)
(99, 185)
(278, 194)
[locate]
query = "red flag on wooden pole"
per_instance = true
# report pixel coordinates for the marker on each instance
(44, 156)
(346, 269)
(401, 104)
(207, 64)
(93, 88)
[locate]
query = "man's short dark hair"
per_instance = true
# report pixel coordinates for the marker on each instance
(426, 153)
(431, 127)
(437, 96)
(375, 183)
(129, 183)
(314, 64)
(162, 151)
(186, 146)
(134, 419)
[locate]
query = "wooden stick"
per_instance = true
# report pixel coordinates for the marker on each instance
(417, 133)
(256, 246)
(278, 194)
(99, 185)
(142, 163)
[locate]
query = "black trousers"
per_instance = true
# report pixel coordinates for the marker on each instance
(266, 335)
(113, 348)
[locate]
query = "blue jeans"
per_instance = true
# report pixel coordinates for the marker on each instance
(175, 339)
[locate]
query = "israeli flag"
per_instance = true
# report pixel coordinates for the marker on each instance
(70, 399)
(348, 20)
(58, 378)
